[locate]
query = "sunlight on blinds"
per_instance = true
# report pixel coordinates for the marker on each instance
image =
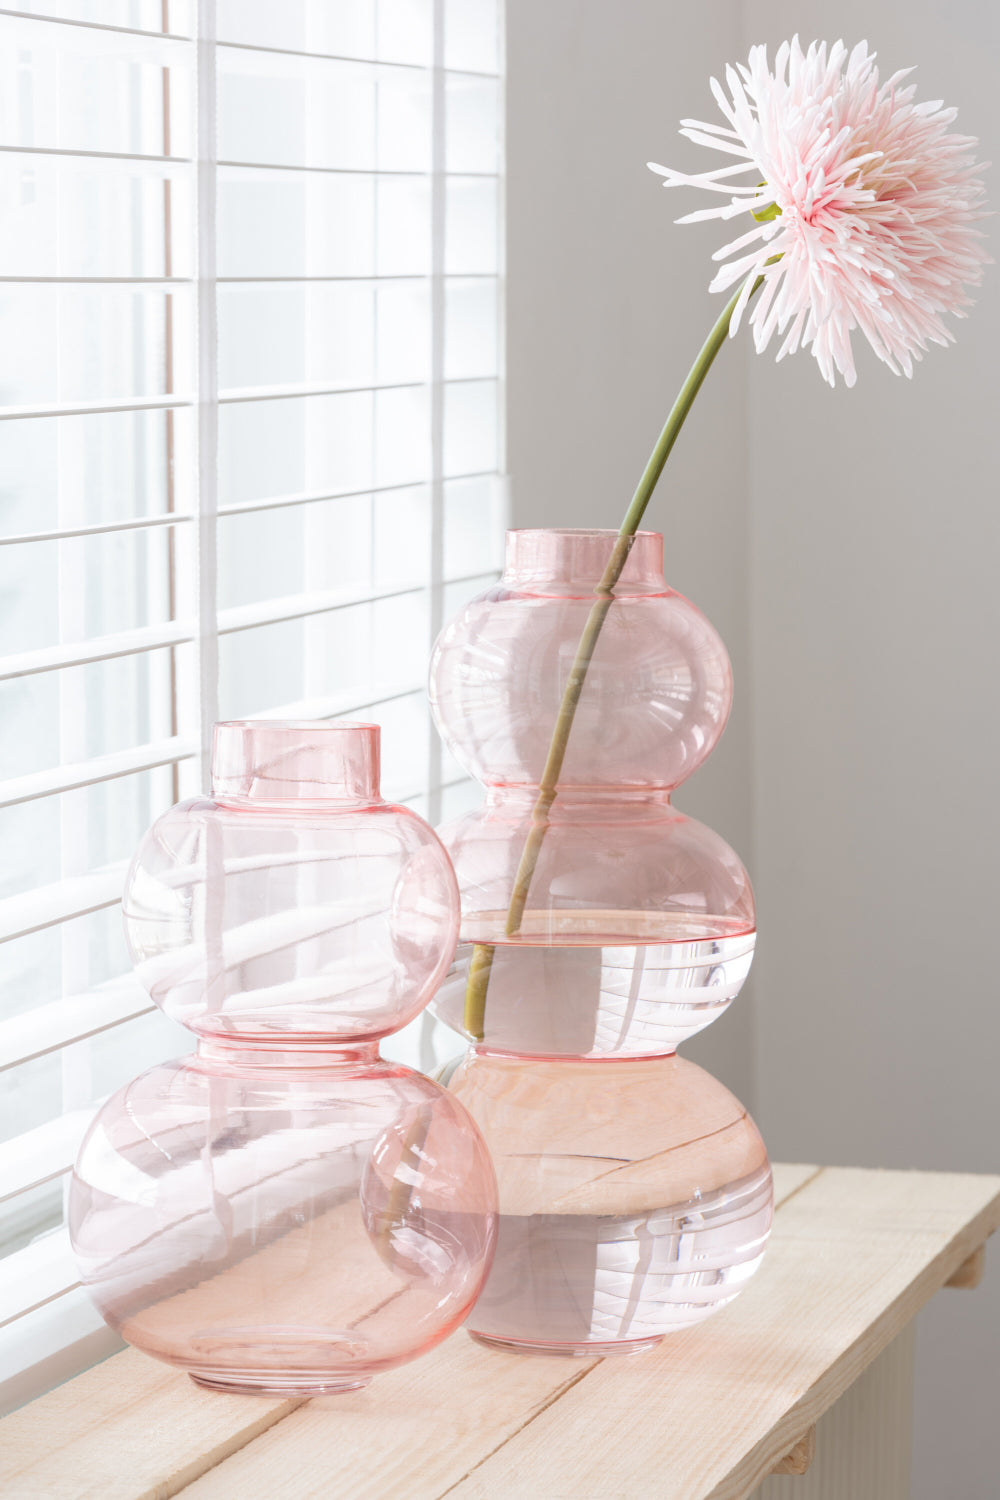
(252, 438)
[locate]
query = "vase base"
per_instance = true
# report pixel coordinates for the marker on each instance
(276, 1386)
(572, 1351)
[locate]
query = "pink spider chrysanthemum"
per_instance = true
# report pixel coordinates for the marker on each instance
(866, 197)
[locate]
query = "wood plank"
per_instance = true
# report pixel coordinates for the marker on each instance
(419, 1429)
(854, 1256)
(414, 1433)
(790, 1178)
(48, 1445)
(798, 1459)
(970, 1272)
(863, 1442)
(129, 1429)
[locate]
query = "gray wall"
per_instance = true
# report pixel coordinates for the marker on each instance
(606, 309)
(846, 545)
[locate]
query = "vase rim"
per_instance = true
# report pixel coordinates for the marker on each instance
(272, 761)
(573, 560)
(311, 726)
(611, 531)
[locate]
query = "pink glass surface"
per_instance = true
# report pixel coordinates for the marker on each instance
(294, 903)
(635, 1199)
(658, 688)
(639, 930)
(635, 1191)
(639, 926)
(283, 1222)
(284, 1212)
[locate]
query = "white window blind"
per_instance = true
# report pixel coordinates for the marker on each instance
(250, 455)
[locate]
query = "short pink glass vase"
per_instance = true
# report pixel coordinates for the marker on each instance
(635, 1191)
(283, 1212)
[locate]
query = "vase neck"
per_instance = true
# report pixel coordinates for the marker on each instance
(239, 1053)
(275, 761)
(571, 562)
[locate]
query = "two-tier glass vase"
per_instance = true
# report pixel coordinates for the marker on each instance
(600, 928)
(283, 1212)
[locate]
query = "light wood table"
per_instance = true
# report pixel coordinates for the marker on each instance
(823, 1335)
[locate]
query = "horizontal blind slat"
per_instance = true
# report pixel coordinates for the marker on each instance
(105, 528)
(41, 1272)
(128, 281)
(98, 648)
(67, 778)
(98, 156)
(286, 166)
(228, 398)
(279, 502)
(44, 1153)
(302, 606)
(44, 20)
(230, 621)
(237, 508)
(305, 606)
(124, 281)
(367, 62)
(234, 394)
(375, 277)
(61, 901)
(94, 408)
(49, 1028)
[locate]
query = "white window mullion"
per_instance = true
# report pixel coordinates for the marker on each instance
(438, 208)
(167, 781)
(74, 836)
(208, 383)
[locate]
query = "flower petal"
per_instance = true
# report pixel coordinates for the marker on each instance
(878, 202)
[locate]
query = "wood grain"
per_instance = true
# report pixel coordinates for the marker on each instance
(798, 1459)
(854, 1256)
(706, 1416)
(863, 1442)
(970, 1272)
(129, 1429)
(414, 1433)
(418, 1430)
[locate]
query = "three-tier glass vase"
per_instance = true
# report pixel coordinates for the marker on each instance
(283, 1212)
(635, 1190)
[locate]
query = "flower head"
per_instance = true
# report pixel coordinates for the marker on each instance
(862, 205)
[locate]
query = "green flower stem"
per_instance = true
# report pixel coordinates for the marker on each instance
(481, 961)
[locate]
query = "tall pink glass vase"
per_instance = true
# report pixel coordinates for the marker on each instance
(635, 1191)
(283, 1212)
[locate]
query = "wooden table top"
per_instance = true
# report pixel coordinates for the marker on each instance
(853, 1256)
